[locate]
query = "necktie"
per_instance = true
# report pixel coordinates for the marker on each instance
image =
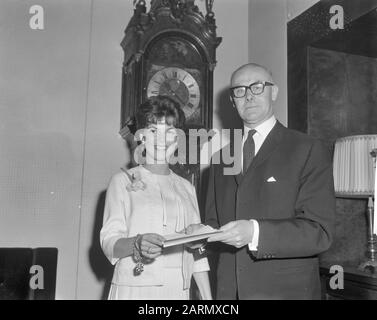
(248, 150)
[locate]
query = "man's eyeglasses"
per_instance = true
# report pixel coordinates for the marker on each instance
(255, 88)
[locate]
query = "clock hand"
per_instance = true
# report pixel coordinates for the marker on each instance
(178, 97)
(171, 91)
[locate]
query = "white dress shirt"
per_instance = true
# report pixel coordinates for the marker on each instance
(260, 135)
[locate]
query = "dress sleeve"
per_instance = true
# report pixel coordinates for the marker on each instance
(114, 218)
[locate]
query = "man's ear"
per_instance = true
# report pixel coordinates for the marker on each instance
(232, 101)
(274, 93)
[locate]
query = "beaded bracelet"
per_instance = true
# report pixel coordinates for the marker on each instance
(139, 268)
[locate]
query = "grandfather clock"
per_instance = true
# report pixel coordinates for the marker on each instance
(171, 50)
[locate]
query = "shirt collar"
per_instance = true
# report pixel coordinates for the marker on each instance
(264, 128)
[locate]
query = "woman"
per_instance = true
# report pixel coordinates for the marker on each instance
(145, 203)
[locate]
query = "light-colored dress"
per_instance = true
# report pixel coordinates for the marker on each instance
(166, 206)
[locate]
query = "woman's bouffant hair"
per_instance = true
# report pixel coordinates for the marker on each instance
(157, 107)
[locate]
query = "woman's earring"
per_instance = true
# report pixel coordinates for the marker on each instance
(139, 153)
(143, 153)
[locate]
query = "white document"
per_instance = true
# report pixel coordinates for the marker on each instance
(181, 238)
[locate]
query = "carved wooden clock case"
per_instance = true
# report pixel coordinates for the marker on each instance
(171, 50)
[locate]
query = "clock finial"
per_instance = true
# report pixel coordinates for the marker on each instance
(139, 5)
(210, 16)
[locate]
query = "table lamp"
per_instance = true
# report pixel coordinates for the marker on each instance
(354, 177)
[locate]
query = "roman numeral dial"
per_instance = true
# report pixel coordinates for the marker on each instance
(178, 84)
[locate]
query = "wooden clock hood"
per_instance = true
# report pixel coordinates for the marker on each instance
(167, 16)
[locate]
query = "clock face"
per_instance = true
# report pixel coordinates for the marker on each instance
(178, 84)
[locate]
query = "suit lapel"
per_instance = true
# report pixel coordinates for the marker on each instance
(237, 157)
(238, 178)
(226, 154)
(272, 141)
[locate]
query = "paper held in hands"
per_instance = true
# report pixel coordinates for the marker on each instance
(181, 238)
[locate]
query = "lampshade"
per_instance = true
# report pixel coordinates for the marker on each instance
(354, 173)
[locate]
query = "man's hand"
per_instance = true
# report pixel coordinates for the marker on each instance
(237, 233)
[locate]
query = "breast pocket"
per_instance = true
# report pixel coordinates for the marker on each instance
(279, 195)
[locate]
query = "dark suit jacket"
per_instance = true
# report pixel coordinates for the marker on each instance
(295, 214)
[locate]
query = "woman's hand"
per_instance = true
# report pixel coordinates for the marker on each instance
(150, 245)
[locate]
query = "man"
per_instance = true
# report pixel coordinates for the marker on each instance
(277, 215)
